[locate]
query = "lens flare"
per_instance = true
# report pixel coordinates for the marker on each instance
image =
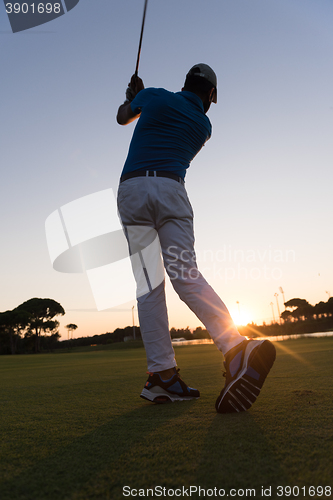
(241, 317)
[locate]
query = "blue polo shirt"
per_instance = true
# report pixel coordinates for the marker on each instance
(171, 130)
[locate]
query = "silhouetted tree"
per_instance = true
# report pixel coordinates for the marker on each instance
(181, 332)
(294, 303)
(71, 327)
(330, 306)
(324, 308)
(14, 323)
(286, 315)
(301, 308)
(306, 311)
(320, 309)
(41, 313)
(200, 333)
(50, 341)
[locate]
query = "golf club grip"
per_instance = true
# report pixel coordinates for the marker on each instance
(140, 43)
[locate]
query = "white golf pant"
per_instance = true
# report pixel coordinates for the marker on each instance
(151, 206)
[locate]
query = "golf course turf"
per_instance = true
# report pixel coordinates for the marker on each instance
(74, 427)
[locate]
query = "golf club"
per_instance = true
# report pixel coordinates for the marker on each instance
(140, 43)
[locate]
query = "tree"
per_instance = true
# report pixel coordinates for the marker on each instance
(200, 333)
(181, 332)
(294, 303)
(50, 342)
(324, 308)
(41, 313)
(330, 306)
(286, 315)
(320, 309)
(13, 323)
(306, 311)
(300, 308)
(71, 327)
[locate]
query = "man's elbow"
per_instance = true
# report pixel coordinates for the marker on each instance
(125, 114)
(120, 116)
(119, 120)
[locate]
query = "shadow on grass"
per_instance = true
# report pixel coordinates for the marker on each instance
(77, 470)
(236, 454)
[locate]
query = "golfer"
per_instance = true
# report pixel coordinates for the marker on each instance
(170, 131)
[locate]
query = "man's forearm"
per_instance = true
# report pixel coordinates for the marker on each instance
(125, 114)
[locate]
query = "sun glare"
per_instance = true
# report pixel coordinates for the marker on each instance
(241, 317)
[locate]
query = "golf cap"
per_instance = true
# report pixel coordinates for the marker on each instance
(206, 72)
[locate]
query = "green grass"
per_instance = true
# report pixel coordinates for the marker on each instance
(73, 426)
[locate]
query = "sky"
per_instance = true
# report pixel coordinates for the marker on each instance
(260, 188)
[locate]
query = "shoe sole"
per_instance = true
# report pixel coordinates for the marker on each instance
(242, 392)
(161, 396)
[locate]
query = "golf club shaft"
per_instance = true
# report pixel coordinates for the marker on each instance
(140, 43)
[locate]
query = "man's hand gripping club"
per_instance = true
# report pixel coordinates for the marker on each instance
(125, 114)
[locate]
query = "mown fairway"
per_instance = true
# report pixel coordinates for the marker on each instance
(73, 426)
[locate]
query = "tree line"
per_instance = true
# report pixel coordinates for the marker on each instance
(301, 310)
(119, 335)
(198, 333)
(31, 326)
(123, 334)
(298, 317)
